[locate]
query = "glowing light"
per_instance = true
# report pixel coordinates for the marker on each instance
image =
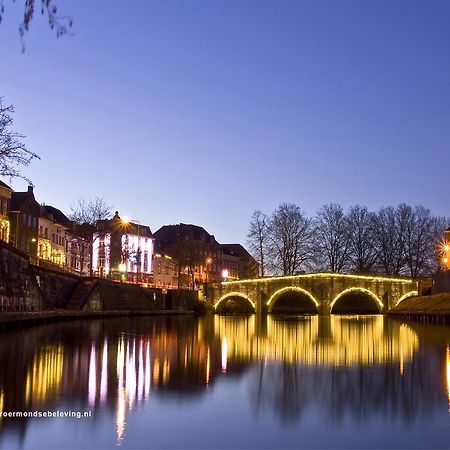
(225, 274)
(362, 290)
(235, 294)
(323, 275)
(446, 248)
(409, 294)
(290, 289)
(4, 229)
(122, 267)
(125, 220)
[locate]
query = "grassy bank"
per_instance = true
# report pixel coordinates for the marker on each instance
(430, 308)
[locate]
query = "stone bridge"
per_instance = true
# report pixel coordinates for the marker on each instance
(316, 293)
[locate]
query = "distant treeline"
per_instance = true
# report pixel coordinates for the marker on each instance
(395, 240)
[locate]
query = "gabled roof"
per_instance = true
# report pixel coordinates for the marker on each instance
(58, 216)
(236, 250)
(4, 185)
(19, 198)
(130, 227)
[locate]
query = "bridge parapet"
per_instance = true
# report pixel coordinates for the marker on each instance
(323, 291)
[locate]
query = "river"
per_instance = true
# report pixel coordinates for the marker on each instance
(226, 382)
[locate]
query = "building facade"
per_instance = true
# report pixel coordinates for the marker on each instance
(200, 258)
(24, 221)
(5, 201)
(52, 242)
(165, 272)
(123, 250)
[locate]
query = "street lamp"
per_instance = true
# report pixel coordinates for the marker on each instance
(208, 263)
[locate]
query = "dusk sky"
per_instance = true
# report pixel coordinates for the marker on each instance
(203, 111)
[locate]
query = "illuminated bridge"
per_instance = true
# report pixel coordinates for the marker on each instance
(317, 293)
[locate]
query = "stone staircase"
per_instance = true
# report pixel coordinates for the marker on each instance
(81, 294)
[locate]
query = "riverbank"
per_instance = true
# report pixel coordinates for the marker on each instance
(17, 319)
(429, 309)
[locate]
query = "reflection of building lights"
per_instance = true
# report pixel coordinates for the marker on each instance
(447, 361)
(104, 375)
(147, 373)
(208, 366)
(44, 377)
(224, 354)
(1, 404)
(92, 387)
(120, 413)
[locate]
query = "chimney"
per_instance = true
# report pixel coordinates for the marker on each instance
(30, 189)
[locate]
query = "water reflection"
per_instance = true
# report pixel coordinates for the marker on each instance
(341, 366)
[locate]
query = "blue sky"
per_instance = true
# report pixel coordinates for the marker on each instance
(203, 111)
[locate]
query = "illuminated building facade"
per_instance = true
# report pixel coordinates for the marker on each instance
(165, 272)
(24, 219)
(123, 250)
(5, 200)
(52, 241)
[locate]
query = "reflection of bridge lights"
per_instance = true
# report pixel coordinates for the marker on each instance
(348, 341)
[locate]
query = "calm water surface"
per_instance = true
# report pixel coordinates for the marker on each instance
(228, 382)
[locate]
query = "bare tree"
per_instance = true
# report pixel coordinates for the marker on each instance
(85, 215)
(188, 256)
(391, 224)
(419, 239)
(290, 233)
(258, 239)
(332, 238)
(13, 152)
(362, 252)
(60, 24)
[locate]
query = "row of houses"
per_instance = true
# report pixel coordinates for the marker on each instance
(182, 255)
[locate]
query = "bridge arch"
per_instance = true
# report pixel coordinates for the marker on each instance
(353, 297)
(408, 295)
(310, 306)
(221, 303)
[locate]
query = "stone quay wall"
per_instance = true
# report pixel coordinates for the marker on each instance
(25, 287)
